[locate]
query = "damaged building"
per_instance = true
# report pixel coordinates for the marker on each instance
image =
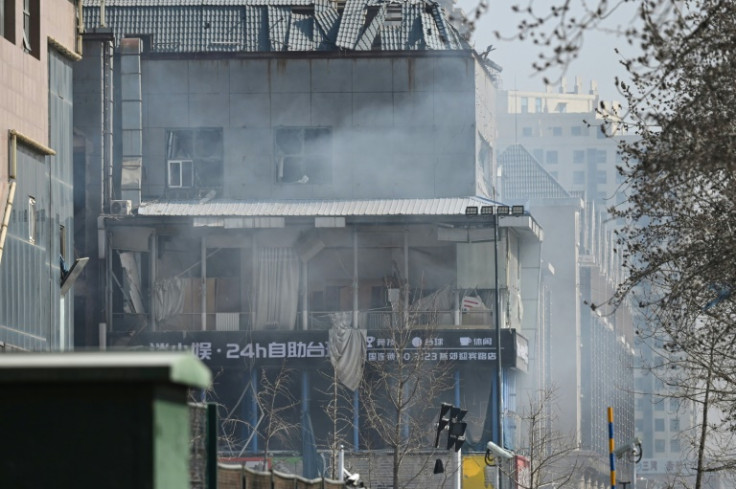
(258, 174)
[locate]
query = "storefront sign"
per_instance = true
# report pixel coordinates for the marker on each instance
(233, 348)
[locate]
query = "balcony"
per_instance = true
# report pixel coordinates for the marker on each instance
(131, 324)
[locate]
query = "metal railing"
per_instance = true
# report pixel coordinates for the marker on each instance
(316, 320)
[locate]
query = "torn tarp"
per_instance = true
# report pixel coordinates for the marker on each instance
(347, 350)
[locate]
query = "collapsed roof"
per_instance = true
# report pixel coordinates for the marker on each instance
(186, 26)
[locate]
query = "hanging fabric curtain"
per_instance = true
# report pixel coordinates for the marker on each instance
(347, 349)
(277, 288)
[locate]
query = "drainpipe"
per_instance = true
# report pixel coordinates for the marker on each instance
(107, 108)
(204, 283)
(6, 217)
(152, 287)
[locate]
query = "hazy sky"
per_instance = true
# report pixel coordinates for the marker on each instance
(597, 61)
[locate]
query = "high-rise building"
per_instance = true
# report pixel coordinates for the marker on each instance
(562, 130)
(589, 356)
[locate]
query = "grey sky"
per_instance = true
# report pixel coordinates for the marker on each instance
(597, 61)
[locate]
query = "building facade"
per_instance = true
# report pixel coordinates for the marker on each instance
(38, 49)
(562, 130)
(272, 170)
(590, 356)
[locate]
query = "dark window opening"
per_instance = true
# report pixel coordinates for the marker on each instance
(303, 155)
(62, 241)
(7, 20)
(194, 161)
(303, 10)
(31, 27)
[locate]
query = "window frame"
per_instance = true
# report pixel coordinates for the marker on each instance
(31, 39)
(313, 147)
(578, 177)
(181, 173)
(578, 156)
(199, 154)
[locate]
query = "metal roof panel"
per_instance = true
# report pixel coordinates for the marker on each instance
(315, 208)
(180, 26)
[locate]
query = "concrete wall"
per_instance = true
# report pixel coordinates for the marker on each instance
(560, 249)
(401, 126)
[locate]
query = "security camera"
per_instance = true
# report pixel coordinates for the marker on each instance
(352, 479)
(632, 448)
(498, 451)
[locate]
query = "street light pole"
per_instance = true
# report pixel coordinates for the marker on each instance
(497, 315)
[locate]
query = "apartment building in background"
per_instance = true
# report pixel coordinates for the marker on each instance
(562, 130)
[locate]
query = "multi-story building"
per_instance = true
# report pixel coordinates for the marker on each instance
(562, 130)
(589, 355)
(38, 49)
(270, 165)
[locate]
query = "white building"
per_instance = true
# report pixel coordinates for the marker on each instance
(562, 131)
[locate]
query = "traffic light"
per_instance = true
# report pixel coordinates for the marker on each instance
(456, 430)
(443, 422)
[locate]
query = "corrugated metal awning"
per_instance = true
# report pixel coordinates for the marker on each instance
(449, 206)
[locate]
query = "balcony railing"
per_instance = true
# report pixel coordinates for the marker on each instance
(128, 324)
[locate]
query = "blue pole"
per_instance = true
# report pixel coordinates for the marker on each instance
(611, 448)
(356, 421)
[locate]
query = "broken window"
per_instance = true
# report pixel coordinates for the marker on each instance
(194, 159)
(303, 155)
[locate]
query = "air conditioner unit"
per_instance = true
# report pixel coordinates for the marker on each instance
(121, 207)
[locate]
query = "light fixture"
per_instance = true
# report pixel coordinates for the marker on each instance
(486, 210)
(471, 210)
(517, 210)
(503, 210)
